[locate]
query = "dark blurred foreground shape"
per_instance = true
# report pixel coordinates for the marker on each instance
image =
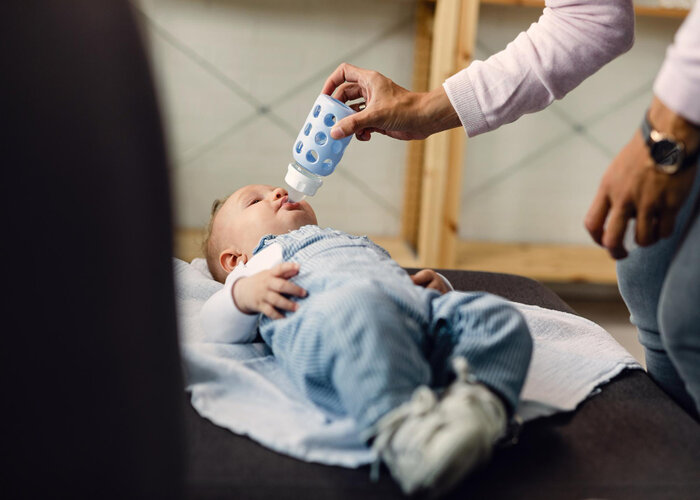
(92, 391)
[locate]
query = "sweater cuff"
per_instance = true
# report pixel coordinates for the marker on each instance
(678, 93)
(463, 98)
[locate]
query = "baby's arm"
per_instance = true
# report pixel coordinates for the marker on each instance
(427, 278)
(230, 315)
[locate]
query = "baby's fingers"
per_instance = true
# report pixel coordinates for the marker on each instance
(281, 285)
(279, 302)
(270, 312)
(438, 284)
(423, 277)
(285, 270)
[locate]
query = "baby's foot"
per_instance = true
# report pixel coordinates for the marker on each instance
(430, 445)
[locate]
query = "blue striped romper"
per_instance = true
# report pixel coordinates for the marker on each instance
(365, 337)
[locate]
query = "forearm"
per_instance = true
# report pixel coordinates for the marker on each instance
(437, 111)
(571, 40)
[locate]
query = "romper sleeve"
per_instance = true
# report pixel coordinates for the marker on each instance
(221, 320)
(447, 282)
(570, 41)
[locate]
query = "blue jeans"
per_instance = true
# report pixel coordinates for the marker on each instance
(366, 337)
(661, 287)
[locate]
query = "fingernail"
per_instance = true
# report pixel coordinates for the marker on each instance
(336, 133)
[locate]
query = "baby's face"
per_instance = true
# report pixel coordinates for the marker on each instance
(257, 210)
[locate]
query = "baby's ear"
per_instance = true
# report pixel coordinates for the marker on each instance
(230, 258)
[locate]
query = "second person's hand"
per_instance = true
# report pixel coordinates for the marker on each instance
(633, 188)
(389, 108)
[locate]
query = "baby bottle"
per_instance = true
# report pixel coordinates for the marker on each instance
(316, 153)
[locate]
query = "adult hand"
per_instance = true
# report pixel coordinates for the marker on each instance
(388, 108)
(632, 187)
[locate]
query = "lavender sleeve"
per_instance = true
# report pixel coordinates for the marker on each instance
(570, 41)
(678, 81)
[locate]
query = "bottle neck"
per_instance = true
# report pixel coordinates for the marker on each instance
(304, 170)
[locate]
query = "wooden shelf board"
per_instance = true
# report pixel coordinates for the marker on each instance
(548, 263)
(544, 262)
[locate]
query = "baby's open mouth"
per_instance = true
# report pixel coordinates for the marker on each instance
(290, 205)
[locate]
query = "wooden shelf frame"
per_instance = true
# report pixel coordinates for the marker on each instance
(445, 41)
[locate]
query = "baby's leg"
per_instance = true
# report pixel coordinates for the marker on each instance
(490, 333)
(351, 350)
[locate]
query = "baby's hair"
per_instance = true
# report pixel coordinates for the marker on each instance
(209, 247)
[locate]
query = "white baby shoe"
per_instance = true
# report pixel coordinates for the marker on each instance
(429, 445)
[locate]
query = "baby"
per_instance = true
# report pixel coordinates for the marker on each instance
(360, 337)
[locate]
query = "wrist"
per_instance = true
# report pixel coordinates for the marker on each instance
(236, 293)
(438, 111)
(667, 121)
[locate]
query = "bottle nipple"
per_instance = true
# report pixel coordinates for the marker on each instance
(293, 195)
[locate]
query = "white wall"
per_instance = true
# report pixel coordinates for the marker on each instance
(237, 78)
(534, 179)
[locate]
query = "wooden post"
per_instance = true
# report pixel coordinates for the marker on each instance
(410, 215)
(454, 35)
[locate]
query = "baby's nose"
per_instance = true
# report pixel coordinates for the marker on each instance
(279, 193)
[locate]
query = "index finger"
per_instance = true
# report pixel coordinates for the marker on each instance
(595, 218)
(343, 73)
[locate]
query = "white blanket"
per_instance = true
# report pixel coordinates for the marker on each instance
(242, 388)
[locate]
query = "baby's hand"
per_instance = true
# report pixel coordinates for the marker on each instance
(427, 278)
(265, 291)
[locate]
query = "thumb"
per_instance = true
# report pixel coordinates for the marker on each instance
(350, 124)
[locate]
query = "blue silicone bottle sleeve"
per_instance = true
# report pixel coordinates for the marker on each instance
(315, 149)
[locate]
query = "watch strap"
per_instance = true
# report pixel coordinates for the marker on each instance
(646, 129)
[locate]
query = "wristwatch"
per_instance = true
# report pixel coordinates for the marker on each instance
(669, 154)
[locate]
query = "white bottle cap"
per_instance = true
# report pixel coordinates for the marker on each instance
(302, 183)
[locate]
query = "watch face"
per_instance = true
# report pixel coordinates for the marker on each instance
(666, 152)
